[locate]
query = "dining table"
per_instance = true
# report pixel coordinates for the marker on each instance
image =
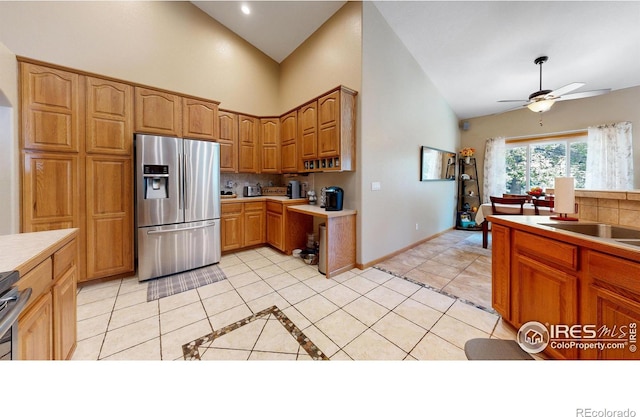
(486, 209)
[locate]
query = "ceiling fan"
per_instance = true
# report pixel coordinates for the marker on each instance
(542, 100)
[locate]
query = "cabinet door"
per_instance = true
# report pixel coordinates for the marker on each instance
(546, 295)
(270, 145)
(254, 225)
(308, 130)
(200, 119)
(275, 235)
(50, 197)
(329, 125)
(109, 125)
(35, 330)
(612, 304)
(288, 139)
(228, 139)
(232, 231)
(248, 134)
(50, 106)
(158, 112)
(109, 213)
(64, 315)
(500, 276)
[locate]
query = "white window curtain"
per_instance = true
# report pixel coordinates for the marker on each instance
(609, 157)
(494, 169)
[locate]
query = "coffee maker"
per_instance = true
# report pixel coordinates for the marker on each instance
(293, 189)
(334, 196)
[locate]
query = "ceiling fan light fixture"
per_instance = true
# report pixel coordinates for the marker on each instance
(541, 106)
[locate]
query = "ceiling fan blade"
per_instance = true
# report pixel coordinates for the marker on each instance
(512, 108)
(564, 90)
(584, 94)
(512, 101)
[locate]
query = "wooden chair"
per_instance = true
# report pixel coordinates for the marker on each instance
(518, 201)
(542, 203)
(509, 200)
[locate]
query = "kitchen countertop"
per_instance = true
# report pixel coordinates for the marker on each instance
(280, 198)
(317, 211)
(535, 224)
(22, 251)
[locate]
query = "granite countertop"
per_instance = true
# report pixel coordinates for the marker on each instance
(22, 251)
(542, 225)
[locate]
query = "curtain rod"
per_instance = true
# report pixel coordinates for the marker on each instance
(548, 135)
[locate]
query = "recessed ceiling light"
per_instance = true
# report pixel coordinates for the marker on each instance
(245, 9)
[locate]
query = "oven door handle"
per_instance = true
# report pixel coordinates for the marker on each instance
(13, 311)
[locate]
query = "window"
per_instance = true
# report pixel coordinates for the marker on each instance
(535, 162)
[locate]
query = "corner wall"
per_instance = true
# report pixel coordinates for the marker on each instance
(9, 156)
(401, 111)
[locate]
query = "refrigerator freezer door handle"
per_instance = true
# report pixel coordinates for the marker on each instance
(180, 185)
(155, 232)
(186, 181)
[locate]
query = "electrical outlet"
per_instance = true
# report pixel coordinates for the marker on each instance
(375, 186)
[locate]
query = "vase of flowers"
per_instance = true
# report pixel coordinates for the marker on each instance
(467, 153)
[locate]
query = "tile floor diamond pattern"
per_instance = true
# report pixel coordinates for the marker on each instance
(274, 307)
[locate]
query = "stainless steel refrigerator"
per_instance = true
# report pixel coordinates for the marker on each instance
(177, 204)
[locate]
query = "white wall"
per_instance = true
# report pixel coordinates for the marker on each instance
(617, 106)
(170, 45)
(401, 111)
(9, 155)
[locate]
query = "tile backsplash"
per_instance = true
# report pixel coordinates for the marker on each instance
(240, 180)
(613, 207)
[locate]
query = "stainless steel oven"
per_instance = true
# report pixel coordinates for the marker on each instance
(12, 301)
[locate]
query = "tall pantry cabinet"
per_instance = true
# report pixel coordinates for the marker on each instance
(77, 163)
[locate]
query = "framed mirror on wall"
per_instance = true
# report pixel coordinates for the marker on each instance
(437, 164)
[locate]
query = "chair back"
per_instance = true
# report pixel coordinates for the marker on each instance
(514, 201)
(542, 203)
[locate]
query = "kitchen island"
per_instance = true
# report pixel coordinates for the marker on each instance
(47, 263)
(585, 289)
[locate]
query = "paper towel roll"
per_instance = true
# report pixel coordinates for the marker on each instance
(565, 199)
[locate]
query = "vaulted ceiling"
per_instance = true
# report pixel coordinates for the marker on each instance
(475, 52)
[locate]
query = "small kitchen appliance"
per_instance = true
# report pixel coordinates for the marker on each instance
(334, 197)
(252, 191)
(293, 189)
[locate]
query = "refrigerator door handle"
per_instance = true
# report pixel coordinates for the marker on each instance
(186, 181)
(180, 185)
(156, 232)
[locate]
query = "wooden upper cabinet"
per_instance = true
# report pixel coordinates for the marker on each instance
(200, 119)
(270, 145)
(308, 130)
(288, 142)
(329, 125)
(158, 112)
(50, 191)
(109, 121)
(228, 139)
(51, 113)
(248, 141)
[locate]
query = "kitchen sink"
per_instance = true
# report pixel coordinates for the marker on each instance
(617, 233)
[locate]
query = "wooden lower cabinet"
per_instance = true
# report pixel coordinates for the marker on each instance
(47, 326)
(275, 225)
(568, 286)
(243, 225)
(35, 334)
(231, 226)
(254, 223)
(612, 304)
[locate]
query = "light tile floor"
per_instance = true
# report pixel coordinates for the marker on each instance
(359, 315)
